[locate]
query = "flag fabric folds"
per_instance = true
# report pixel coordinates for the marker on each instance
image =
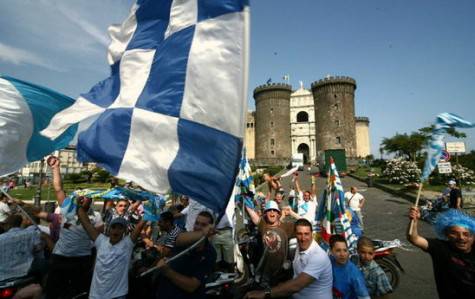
(331, 217)
(443, 122)
(172, 113)
(25, 110)
(244, 187)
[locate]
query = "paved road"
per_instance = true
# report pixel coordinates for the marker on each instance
(385, 217)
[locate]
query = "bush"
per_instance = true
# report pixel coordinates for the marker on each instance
(101, 176)
(400, 171)
(74, 178)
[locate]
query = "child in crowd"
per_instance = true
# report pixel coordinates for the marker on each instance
(377, 282)
(348, 281)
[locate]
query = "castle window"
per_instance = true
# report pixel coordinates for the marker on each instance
(338, 140)
(337, 123)
(271, 110)
(336, 106)
(272, 142)
(248, 125)
(272, 153)
(335, 96)
(302, 117)
(252, 125)
(271, 123)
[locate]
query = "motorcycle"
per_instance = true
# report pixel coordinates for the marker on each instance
(387, 260)
(9, 287)
(220, 285)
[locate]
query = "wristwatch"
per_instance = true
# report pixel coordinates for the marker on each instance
(267, 293)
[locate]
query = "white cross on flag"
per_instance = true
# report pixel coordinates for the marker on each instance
(172, 113)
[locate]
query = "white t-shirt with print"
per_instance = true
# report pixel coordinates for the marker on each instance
(110, 279)
(353, 200)
(315, 262)
(74, 240)
(307, 209)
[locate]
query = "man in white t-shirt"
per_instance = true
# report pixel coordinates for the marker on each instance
(355, 201)
(4, 208)
(306, 201)
(111, 271)
(70, 269)
(313, 276)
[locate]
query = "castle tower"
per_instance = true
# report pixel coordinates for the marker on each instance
(363, 148)
(335, 114)
(272, 129)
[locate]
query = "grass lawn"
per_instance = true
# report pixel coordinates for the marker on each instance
(47, 192)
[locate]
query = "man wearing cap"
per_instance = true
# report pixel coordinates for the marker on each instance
(275, 235)
(452, 253)
(455, 196)
(110, 278)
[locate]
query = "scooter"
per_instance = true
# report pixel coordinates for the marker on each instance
(9, 287)
(387, 260)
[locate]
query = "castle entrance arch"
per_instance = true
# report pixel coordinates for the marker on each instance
(305, 150)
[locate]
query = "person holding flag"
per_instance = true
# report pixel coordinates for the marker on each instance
(332, 217)
(452, 253)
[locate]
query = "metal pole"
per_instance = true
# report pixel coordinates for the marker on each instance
(38, 189)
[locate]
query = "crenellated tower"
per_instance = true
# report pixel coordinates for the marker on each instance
(272, 129)
(335, 114)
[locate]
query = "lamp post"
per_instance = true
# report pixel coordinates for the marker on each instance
(37, 198)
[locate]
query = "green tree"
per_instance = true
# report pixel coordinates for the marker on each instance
(404, 145)
(411, 146)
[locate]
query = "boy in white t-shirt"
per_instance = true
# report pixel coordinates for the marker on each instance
(110, 278)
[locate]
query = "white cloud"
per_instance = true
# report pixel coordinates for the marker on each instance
(91, 29)
(19, 56)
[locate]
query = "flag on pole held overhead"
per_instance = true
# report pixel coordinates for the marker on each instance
(443, 122)
(244, 187)
(331, 217)
(172, 113)
(25, 110)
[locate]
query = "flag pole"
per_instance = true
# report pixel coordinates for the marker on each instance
(416, 204)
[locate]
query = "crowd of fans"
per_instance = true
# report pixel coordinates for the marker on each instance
(107, 254)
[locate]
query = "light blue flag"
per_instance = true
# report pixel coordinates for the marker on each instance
(26, 109)
(171, 116)
(436, 143)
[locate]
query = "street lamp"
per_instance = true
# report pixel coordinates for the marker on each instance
(37, 198)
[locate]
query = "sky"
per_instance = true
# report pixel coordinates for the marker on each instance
(411, 59)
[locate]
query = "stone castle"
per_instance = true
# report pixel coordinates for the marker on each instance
(305, 121)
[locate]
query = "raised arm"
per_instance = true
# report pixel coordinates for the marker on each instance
(84, 205)
(297, 182)
(137, 231)
(413, 236)
(187, 238)
(254, 216)
(53, 162)
(314, 186)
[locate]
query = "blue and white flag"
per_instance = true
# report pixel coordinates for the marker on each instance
(25, 110)
(443, 122)
(172, 113)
